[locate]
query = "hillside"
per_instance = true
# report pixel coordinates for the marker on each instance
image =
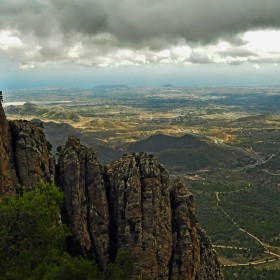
(53, 113)
(189, 153)
(58, 133)
(160, 142)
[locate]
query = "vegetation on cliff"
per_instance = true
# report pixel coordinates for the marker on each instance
(33, 241)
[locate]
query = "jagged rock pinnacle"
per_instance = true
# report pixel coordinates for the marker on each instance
(130, 204)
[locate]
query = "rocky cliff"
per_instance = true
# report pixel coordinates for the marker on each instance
(80, 176)
(130, 204)
(139, 199)
(8, 178)
(24, 155)
(192, 253)
(33, 161)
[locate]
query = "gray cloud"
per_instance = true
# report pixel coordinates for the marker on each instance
(52, 28)
(237, 52)
(199, 58)
(142, 20)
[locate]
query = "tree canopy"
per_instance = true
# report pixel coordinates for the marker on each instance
(32, 241)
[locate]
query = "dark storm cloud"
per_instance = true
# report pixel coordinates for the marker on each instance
(142, 20)
(56, 25)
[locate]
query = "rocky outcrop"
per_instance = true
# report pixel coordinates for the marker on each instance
(130, 205)
(81, 177)
(32, 159)
(192, 255)
(209, 267)
(25, 157)
(8, 178)
(141, 214)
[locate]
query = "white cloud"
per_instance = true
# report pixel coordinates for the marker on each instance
(256, 66)
(98, 33)
(105, 50)
(9, 41)
(28, 66)
(76, 50)
(263, 41)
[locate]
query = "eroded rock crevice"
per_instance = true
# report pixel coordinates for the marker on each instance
(80, 175)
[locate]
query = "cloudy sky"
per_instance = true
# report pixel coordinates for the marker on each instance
(139, 42)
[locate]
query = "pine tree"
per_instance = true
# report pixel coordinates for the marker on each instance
(1, 97)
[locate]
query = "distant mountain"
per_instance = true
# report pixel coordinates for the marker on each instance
(168, 86)
(53, 113)
(160, 142)
(111, 86)
(58, 133)
(26, 109)
(189, 153)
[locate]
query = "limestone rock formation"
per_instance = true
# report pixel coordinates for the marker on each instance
(192, 255)
(32, 159)
(141, 213)
(129, 204)
(8, 178)
(81, 177)
(24, 155)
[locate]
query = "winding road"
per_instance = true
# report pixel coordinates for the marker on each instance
(259, 160)
(265, 246)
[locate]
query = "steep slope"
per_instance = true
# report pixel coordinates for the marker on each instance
(140, 213)
(32, 159)
(8, 178)
(58, 133)
(80, 176)
(192, 255)
(25, 158)
(189, 153)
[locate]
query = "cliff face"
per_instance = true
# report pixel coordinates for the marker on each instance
(130, 205)
(8, 178)
(192, 255)
(25, 158)
(81, 177)
(138, 191)
(32, 159)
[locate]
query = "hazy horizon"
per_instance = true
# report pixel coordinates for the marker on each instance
(211, 76)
